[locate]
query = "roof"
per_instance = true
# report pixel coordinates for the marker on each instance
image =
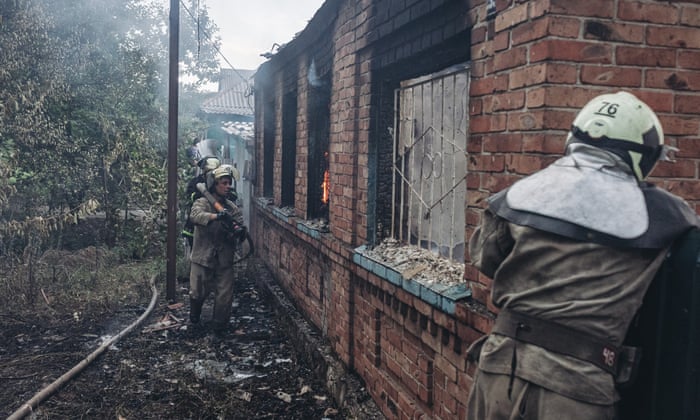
(230, 78)
(245, 130)
(233, 101)
(322, 21)
(235, 95)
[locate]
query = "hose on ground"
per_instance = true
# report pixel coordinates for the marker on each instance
(251, 248)
(40, 396)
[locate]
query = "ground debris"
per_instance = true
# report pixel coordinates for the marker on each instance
(166, 322)
(169, 369)
(284, 396)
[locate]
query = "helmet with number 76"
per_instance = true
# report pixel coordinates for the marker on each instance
(624, 125)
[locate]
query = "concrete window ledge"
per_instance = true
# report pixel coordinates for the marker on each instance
(441, 296)
(313, 228)
(285, 214)
(263, 202)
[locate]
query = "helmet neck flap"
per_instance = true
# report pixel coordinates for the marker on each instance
(646, 154)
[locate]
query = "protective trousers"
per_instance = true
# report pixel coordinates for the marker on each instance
(489, 400)
(204, 281)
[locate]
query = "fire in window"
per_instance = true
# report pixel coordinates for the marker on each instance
(325, 190)
(319, 132)
(326, 184)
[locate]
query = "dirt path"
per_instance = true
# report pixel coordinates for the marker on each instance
(163, 369)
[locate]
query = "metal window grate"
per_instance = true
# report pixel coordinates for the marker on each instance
(430, 164)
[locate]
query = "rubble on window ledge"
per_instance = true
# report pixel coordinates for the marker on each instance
(320, 225)
(264, 201)
(417, 264)
(287, 211)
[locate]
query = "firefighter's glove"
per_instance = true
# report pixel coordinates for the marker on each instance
(224, 216)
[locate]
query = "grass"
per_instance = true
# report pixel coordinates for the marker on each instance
(92, 279)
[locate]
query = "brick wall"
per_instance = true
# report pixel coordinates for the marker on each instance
(533, 65)
(538, 62)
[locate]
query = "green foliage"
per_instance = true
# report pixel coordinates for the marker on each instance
(198, 52)
(7, 180)
(83, 111)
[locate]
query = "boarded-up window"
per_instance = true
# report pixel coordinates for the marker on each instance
(430, 167)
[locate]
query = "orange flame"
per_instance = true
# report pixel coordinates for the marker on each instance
(325, 187)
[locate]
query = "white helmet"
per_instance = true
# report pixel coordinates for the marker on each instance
(221, 172)
(621, 123)
(233, 171)
(208, 163)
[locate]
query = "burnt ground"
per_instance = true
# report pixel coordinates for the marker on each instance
(165, 368)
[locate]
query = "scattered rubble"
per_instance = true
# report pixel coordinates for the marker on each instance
(320, 224)
(287, 211)
(416, 263)
(166, 368)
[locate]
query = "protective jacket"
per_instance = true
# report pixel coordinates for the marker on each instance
(191, 191)
(562, 262)
(213, 245)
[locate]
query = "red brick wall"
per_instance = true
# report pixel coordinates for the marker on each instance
(533, 66)
(538, 62)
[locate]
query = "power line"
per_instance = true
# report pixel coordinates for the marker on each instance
(196, 21)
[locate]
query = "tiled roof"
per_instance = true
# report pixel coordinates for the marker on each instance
(235, 95)
(245, 130)
(232, 101)
(231, 78)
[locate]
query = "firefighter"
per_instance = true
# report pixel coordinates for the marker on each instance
(571, 250)
(205, 165)
(215, 237)
(233, 191)
(193, 153)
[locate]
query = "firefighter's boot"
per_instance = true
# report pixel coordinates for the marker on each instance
(195, 310)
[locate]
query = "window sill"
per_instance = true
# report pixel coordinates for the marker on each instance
(441, 295)
(283, 213)
(313, 228)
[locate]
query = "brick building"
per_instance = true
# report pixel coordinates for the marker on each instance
(397, 118)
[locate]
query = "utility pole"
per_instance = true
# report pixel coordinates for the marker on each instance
(170, 274)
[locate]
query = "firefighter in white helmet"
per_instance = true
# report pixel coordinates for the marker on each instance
(218, 228)
(571, 250)
(205, 165)
(236, 176)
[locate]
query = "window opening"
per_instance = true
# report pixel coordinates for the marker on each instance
(318, 170)
(289, 148)
(429, 162)
(268, 148)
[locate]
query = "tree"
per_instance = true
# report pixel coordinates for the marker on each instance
(199, 44)
(28, 90)
(83, 94)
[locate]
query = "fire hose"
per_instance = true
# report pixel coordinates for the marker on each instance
(219, 207)
(40, 396)
(251, 248)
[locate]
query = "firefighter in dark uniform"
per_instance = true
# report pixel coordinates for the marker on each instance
(572, 250)
(216, 234)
